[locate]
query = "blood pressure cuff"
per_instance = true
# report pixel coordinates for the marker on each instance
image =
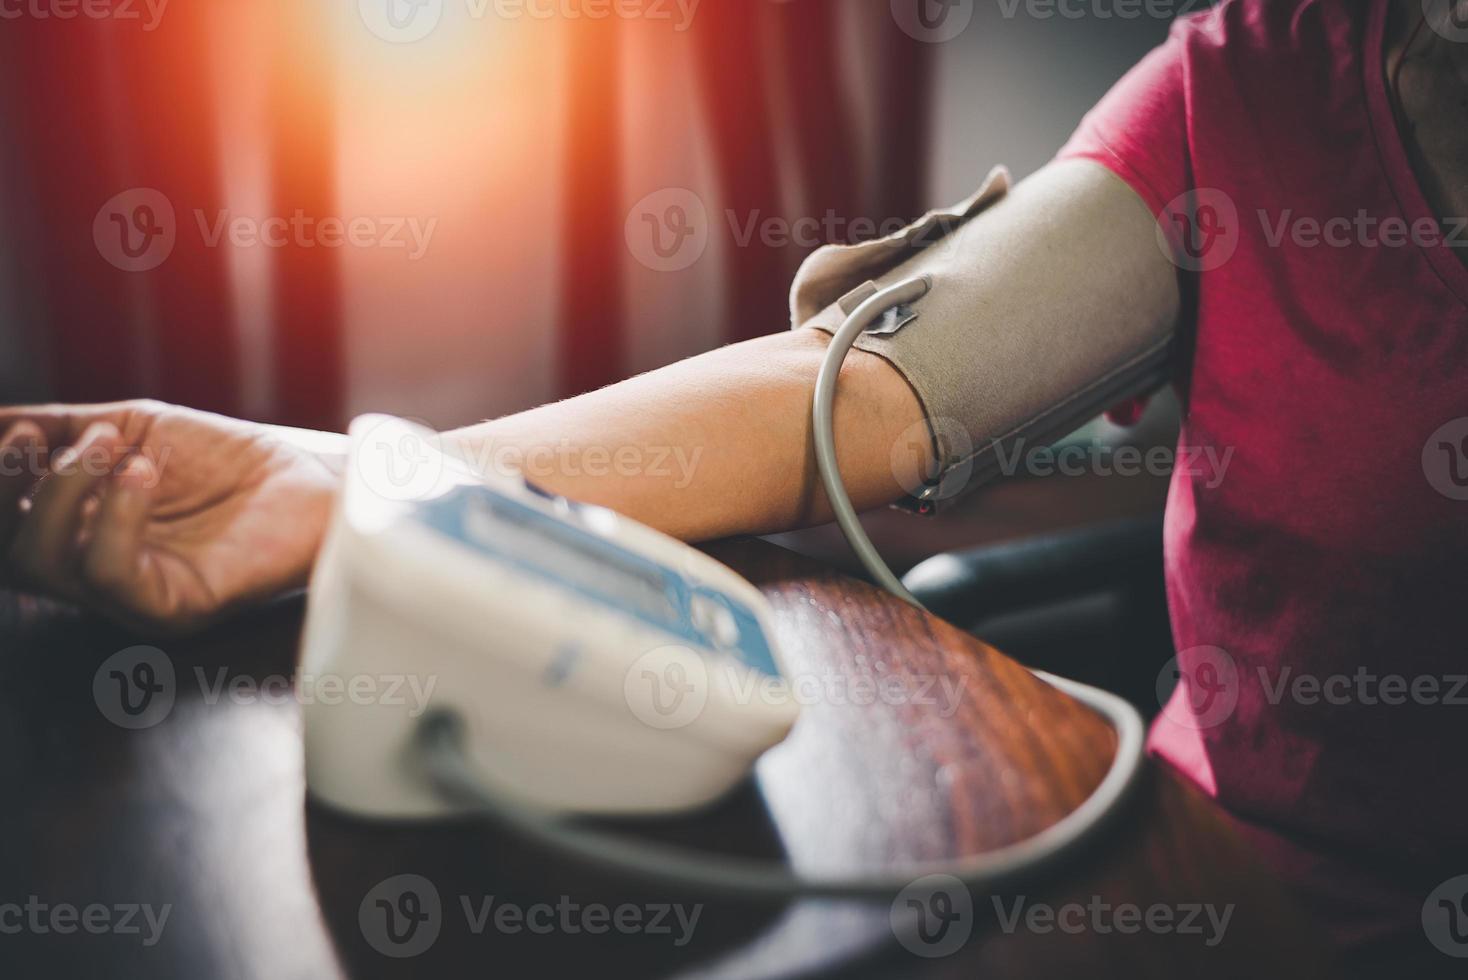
(1047, 310)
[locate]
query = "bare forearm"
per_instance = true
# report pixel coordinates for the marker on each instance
(715, 445)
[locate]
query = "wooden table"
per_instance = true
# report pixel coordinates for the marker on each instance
(205, 813)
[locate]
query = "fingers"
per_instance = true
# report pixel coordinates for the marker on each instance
(61, 424)
(43, 551)
(112, 562)
(22, 463)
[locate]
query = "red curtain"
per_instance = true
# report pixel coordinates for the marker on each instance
(742, 51)
(101, 111)
(98, 108)
(309, 356)
(112, 126)
(592, 346)
(806, 65)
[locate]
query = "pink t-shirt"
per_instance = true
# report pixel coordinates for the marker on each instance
(1319, 581)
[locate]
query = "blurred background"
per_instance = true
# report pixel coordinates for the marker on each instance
(495, 159)
(300, 210)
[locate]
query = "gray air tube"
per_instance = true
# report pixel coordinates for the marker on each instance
(441, 742)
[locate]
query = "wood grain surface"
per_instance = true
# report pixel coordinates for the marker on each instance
(916, 742)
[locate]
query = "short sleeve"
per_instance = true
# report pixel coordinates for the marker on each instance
(1139, 128)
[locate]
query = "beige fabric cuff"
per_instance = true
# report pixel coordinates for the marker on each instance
(1036, 321)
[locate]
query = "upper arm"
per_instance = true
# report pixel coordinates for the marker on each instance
(1053, 301)
(1051, 304)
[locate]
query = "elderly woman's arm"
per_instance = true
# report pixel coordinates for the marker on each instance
(161, 515)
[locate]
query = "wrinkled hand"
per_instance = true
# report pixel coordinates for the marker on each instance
(155, 515)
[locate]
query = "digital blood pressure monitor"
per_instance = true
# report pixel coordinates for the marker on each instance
(598, 665)
(581, 662)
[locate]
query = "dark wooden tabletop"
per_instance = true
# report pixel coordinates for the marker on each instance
(202, 817)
